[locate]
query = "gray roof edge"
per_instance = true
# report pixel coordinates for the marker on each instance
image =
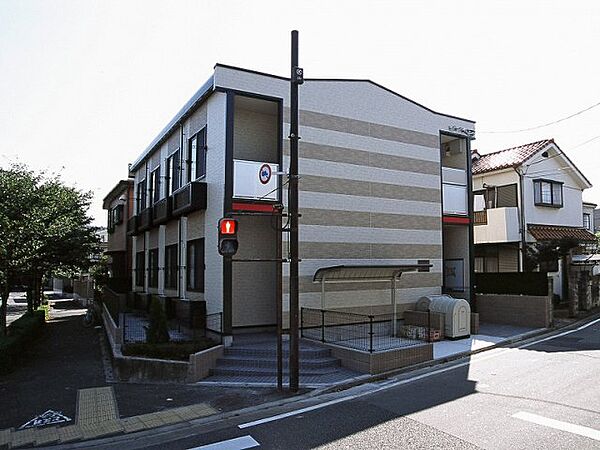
(121, 186)
(196, 99)
(393, 267)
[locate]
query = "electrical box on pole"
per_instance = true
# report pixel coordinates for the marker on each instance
(228, 241)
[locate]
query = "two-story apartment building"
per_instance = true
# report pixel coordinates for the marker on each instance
(119, 206)
(522, 195)
(383, 181)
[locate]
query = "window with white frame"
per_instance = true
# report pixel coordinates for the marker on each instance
(548, 193)
(141, 196)
(587, 221)
(196, 157)
(154, 186)
(173, 173)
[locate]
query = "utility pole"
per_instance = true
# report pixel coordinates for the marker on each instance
(297, 78)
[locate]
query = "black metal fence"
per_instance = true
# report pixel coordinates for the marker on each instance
(512, 283)
(135, 325)
(359, 331)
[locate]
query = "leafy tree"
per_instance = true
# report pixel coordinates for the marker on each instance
(546, 253)
(44, 227)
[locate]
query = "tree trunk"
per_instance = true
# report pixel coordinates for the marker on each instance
(30, 293)
(3, 309)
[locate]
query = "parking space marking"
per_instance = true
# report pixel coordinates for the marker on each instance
(559, 425)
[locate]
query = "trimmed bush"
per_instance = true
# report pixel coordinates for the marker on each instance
(179, 351)
(22, 331)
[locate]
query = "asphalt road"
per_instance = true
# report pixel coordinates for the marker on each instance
(542, 395)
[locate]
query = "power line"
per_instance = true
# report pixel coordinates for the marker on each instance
(544, 125)
(586, 142)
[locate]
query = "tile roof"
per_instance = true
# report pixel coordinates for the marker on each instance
(557, 232)
(510, 157)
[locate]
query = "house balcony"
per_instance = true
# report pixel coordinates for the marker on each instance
(132, 225)
(496, 225)
(189, 198)
(161, 210)
(454, 191)
(145, 220)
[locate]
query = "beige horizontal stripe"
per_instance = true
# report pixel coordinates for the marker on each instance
(406, 281)
(309, 150)
(353, 126)
(347, 250)
(314, 183)
(311, 216)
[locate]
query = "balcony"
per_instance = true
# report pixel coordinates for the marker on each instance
(145, 220)
(161, 211)
(496, 225)
(132, 226)
(454, 189)
(189, 198)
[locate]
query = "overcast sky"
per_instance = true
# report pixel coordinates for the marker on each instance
(86, 85)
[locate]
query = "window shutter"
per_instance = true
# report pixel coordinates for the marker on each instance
(507, 196)
(176, 170)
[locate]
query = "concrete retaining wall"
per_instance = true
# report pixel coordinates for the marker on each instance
(519, 310)
(134, 368)
(379, 362)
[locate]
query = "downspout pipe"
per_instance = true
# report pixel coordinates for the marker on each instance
(521, 220)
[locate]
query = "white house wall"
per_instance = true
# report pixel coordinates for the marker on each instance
(552, 169)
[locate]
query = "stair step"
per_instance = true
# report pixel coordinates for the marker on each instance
(243, 371)
(322, 362)
(259, 352)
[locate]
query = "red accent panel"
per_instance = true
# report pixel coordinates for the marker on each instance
(252, 207)
(456, 220)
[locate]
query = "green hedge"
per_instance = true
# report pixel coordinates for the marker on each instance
(20, 333)
(179, 351)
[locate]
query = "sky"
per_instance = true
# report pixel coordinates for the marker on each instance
(86, 85)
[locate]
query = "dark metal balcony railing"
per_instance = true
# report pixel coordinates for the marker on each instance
(145, 219)
(132, 225)
(161, 211)
(189, 198)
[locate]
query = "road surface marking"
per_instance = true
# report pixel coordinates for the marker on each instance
(392, 384)
(558, 425)
(240, 443)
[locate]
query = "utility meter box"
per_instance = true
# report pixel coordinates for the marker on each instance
(456, 311)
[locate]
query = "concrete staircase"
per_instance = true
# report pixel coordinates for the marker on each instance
(252, 359)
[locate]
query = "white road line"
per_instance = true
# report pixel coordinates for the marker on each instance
(558, 425)
(406, 381)
(240, 443)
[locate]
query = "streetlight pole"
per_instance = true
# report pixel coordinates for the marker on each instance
(297, 78)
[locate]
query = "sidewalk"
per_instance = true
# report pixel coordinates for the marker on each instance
(66, 371)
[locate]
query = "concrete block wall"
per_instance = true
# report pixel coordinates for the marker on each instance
(520, 310)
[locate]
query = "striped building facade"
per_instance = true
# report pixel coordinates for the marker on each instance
(383, 180)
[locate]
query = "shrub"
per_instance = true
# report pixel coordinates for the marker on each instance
(179, 351)
(157, 331)
(20, 333)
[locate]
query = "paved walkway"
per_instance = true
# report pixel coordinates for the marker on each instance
(16, 307)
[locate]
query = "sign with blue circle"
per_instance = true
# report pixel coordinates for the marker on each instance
(264, 173)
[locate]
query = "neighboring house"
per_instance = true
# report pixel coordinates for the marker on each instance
(119, 206)
(522, 195)
(383, 181)
(596, 219)
(589, 221)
